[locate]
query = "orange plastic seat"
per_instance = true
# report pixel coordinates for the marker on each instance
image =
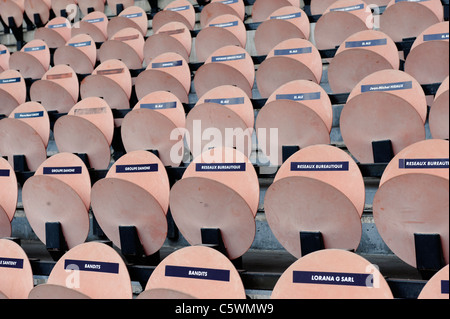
(156, 122)
(55, 33)
(132, 16)
(39, 7)
(141, 174)
(4, 58)
(263, 8)
(185, 8)
(9, 194)
(407, 19)
(421, 168)
(208, 196)
(360, 55)
(93, 269)
(196, 272)
(59, 192)
(180, 32)
(332, 274)
(13, 91)
(339, 21)
(32, 61)
(437, 286)
(386, 105)
(95, 24)
(14, 9)
(80, 53)
(16, 275)
(157, 44)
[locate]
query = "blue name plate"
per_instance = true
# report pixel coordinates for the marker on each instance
(197, 273)
(95, 266)
(11, 263)
(351, 8)
(319, 166)
(159, 106)
(224, 25)
(423, 163)
(299, 96)
(229, 1)
(57, 26)
(62, 170)
(232, 57)
(3, 52)
(167, 64)
(4, 172)
(332, 278)
(222, 167)
(293, 51)
(133, 15)
(386, 87)
(227, 101)
(444, 287)
(367, 43)
(183, 8)
(410, 1)
(137, 168)
(95, 20)
(437, 36)
(33, 49)
(80, 44)
(28, 115)
(11, 80)
(287, 16)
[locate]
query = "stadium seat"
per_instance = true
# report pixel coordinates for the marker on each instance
(206, 78)
(237, 5)
(184, 8)
(400, 213)
(175, 65)
(165, 16)
(214, 9)
(178, 31)
(95, 24)
(212, 38)
(157, 44)
(198, 272)
(13, 91)
(59, 192)
(16, 275)
(111, 80)
(360, 55)
(137, 174)
(332, 274)
(293, 202)
(126, 45)
(35, 115)
(298, 113)
(32, 61)
(87, 129)
(261, 9)
(428, 59)
(80, 53)
(290, 60)
(57, 90)
(12, 9)
(437, 286)
(340, 20)
(213, 125)
(9, 194)
(93, 269)
(407, 19)
(231, 23)
(236, 57)
(386, 105)
(157, 123)
(318, 7)
(438, 117)
(55, 33)
(39, 8)
(133, 16)
(19, 138)
(4, 58)
(5, 227)
(233, 98)
(211, 194)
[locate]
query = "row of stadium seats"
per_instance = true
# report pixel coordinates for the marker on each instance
(96, 271)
